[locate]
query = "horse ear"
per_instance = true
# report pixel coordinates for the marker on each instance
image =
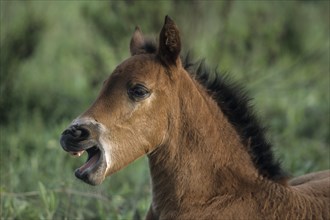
(137, 42)
(169, 42)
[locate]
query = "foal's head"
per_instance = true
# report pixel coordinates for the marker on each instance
(130, 116)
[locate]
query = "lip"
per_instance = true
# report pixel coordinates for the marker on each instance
(93, 170)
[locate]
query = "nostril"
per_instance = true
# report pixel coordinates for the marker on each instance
(77, 132)
(83, 132)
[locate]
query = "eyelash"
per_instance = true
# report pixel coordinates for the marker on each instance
(138, 92)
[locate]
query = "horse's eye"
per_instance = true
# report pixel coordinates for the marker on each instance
(138, 92)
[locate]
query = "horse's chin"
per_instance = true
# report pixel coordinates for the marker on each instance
(94, 169)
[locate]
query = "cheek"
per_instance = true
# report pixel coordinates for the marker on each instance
(156, 125)
(139, 127)
(149, 122)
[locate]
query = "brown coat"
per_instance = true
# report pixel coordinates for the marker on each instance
(208, 155)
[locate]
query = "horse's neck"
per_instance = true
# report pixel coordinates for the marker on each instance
(203, 157)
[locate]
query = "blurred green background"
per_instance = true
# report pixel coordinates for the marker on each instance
(56, 54)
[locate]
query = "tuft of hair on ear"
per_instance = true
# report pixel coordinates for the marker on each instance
(169, 42)
(140, 44)
(137, 42)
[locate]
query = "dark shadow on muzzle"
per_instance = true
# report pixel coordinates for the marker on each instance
(77, 138)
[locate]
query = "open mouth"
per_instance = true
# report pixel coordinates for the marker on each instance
(92, 171)
(76, 140)
(94, 155)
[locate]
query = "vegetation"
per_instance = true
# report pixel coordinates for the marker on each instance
(56, 54)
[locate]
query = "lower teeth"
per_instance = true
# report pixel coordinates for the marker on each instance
(77, 154)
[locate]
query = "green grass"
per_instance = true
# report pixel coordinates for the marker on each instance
(55, 56)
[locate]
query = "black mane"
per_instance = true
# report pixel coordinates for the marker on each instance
(235, 104)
